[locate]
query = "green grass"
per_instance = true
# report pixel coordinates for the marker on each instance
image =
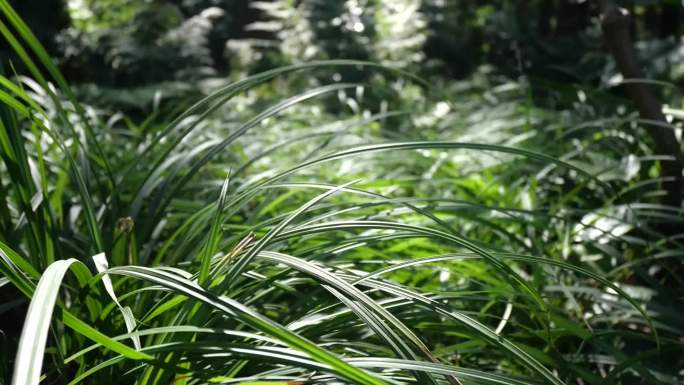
(258, 239)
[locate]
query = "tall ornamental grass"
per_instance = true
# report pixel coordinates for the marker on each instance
(283, 248)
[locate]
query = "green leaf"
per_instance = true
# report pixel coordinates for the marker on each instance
(251, 318)
(31, 349)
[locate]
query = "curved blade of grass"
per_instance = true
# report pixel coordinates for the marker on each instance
(223, 352)
(101, 264)
(506, 272)
(385, 199)
(29, 357)
(430, 367)
(213, 237)
(86, 199)
(372, 313)
(289, 357)
(526, 258)
(241, 264)
(221, 96)
(269, 112)
(20, 280)
(180, 329)
(424, 145)
(347, 126)
(460, 317)
(21, 93)
(40, 52)
(249, 317)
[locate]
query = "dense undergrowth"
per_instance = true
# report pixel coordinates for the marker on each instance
(468, 237)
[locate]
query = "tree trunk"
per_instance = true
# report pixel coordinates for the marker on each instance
(615, 23)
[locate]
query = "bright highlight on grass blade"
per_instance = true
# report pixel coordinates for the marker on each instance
(101, 264)
(250, 318)
(30, 354)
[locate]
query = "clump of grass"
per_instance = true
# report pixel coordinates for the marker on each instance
(186, 251)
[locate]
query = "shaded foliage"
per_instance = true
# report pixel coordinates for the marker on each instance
(494, 220)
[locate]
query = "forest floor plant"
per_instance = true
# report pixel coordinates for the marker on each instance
(490, 242)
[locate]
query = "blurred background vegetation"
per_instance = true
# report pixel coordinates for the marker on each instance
(106, 46)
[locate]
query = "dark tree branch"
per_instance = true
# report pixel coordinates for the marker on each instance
(615, 23)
